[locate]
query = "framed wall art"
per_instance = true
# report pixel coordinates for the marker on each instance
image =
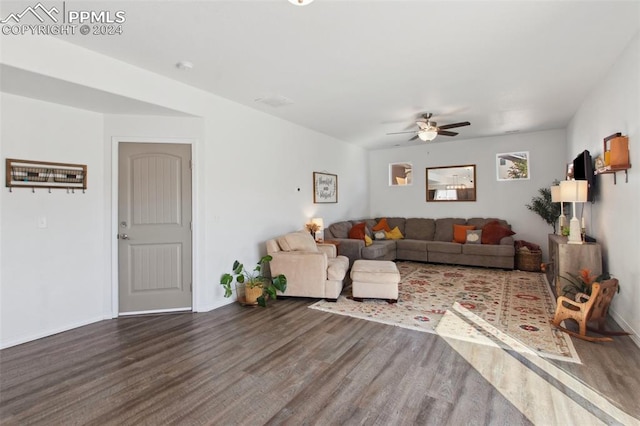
(513, 165)
(325, 188)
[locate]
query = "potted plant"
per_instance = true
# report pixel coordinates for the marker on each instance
(579, 286)
(544, 207)
(257, 287)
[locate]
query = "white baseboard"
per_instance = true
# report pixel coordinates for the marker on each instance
(51, 332)
(626, 327)
(155, 311)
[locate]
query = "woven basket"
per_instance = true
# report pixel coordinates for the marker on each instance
(529, 260)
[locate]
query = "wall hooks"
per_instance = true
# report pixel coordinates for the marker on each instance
(44, 174)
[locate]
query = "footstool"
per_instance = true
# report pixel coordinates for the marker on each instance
(375, 279)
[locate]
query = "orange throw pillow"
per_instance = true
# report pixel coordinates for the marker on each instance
(460, 233)
(493, 232)
(357, 231)
(382, 226)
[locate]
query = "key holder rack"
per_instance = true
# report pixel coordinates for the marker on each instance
(45, 174)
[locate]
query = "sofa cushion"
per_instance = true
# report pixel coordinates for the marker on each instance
(419, 229)
(378, 249)
(479, 222)
(398, 222)
(444, 228)
(297, 241)
(415, 245)
(357, 231)
(370, 223)
(337, 267)
(460, 233)
(444, 247)
(340, 229)
(493, 232)
(488, 249)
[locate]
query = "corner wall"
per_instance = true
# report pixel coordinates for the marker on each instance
(614, 106)
(52, 278)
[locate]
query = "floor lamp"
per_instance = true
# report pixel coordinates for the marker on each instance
(574, 191)
(556, 197)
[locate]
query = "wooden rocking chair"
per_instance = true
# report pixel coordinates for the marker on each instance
(594, 309)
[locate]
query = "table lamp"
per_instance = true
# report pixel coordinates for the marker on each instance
(556, 197)
(574, 191)
(320, 232)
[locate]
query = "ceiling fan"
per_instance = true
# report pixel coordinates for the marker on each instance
(428, 130)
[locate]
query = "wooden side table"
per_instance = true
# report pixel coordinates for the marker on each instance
(333, 242)
(571, 258)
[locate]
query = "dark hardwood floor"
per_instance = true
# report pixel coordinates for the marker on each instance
(285, 364)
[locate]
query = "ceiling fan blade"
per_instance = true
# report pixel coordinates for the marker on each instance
(414, 138)
(451, 126)
(422, 125)
(446, 133)
(399, 133)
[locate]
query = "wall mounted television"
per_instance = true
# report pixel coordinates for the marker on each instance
(583, 170)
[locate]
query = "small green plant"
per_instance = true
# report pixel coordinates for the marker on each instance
(254, 278)
(544, 207)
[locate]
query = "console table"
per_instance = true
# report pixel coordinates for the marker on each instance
(571, 258)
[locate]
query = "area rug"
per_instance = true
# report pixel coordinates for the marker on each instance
(516, 303)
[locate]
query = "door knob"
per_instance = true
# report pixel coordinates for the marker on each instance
(123, 237)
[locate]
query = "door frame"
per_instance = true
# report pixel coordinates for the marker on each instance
(113, 227)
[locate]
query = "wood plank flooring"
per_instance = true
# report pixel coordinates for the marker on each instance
(285, 364)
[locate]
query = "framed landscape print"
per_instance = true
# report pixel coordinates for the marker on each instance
(325, 188)
(512, 165)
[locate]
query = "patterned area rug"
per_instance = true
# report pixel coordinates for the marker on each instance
(516, 303)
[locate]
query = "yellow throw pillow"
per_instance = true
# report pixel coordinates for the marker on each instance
(395, 234)
(367, 240)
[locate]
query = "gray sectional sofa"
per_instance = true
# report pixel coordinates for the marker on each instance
(425, 240)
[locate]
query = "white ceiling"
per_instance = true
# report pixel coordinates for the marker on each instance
(356, 70)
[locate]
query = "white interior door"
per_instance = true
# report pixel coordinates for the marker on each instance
(154, 227)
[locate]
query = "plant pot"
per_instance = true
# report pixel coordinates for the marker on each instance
(248, 296)
(252, 293)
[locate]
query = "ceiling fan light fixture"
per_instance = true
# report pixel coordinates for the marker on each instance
(428, 134)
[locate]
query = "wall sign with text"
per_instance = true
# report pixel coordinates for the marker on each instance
(325, 188)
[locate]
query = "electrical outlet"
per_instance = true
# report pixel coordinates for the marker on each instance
(42, 222)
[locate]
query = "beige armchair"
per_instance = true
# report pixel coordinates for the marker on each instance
(312, 270)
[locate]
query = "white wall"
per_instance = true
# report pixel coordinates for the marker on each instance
(502, 199)
(614, 106)
(52, 278)
(259, 187)
(247, 185)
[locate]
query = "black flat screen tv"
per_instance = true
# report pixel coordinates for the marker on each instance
(583, 170)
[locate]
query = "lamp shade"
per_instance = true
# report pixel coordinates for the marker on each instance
(555, 194)
(574, 191)
(318, 221)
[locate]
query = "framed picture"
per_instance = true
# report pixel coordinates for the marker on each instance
(513, 165)
(325, 188)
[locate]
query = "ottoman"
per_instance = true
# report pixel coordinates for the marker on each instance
(375, 279)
